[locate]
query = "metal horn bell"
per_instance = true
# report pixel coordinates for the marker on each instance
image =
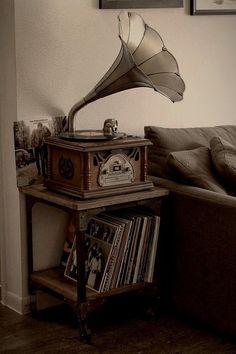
(143, 61)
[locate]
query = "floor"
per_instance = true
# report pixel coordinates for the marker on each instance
(116, 329)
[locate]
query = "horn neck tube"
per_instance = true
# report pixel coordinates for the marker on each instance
(72, 113)
(90, 97)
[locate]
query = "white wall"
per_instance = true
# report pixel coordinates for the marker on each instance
(63, 47)
(10, 236)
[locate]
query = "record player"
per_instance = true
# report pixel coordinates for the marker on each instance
(92, 163)
(88, 169)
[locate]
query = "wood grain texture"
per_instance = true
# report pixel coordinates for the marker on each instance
(88, 169)
(42, 193)
(54, 280)
(114, 331)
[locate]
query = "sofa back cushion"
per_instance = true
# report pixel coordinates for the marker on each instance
(166, 140)
(194, 167)
(224, 158)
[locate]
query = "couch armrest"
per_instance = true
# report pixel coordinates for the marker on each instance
(198, 254)
(195, 192)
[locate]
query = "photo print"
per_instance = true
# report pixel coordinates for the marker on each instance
(30, 148)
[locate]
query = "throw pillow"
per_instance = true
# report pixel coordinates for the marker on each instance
(224, 158)
(194, 167)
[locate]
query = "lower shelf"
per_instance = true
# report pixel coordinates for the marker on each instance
(54, 280)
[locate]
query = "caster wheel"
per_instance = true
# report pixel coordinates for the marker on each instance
(86, 337)
(85, 333)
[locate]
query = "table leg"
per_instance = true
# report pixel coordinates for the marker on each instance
(80, 222)
(81, 313)
(29, 206)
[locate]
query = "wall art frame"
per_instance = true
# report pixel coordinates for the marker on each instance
(212, 7)
(129, 4)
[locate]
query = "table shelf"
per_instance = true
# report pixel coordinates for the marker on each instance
(55, 280)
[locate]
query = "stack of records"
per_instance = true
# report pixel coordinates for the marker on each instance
(121, 249)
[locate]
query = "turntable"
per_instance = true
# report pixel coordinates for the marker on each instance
(92, 163)
(89, 169)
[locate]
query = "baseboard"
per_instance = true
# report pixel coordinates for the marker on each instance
(24, 305)
(19, 304)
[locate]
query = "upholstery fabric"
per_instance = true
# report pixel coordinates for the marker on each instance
(197, 241)
(202, 278)
(166, 140)
(194, 167)
(224, 158)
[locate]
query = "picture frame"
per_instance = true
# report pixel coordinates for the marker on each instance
(129, 4)
(212, 7)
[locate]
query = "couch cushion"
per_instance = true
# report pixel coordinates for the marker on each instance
(166, 140)
(224, 158)
(194, 167)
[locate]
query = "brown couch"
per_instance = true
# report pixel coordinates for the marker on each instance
(198, 250)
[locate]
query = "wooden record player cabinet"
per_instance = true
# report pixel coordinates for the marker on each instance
(53, 280)
(89, 169)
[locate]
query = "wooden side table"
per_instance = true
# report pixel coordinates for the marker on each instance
(81, 211)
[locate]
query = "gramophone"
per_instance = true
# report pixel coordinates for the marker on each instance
(92, 163)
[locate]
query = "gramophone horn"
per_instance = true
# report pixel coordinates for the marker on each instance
(143, 61)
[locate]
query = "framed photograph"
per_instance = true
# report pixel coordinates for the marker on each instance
(130, 4)
(212, 7)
